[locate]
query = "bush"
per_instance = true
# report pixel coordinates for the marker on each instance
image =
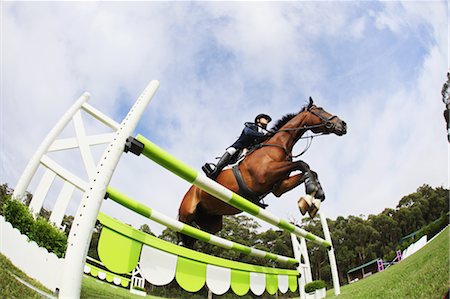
(314, 285)
(18, 215)
(40, 231)
(48, 236)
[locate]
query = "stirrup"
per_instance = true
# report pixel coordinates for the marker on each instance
(262, 205)
(207, 169)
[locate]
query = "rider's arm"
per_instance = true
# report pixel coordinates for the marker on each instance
(251, 132)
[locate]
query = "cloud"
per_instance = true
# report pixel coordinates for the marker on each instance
(377, 65)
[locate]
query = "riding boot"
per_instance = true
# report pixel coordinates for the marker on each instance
(223, 161)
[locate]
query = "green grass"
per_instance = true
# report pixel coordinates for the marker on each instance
(94, 288)
(10, 287)
(424, 274)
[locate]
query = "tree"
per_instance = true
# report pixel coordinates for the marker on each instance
(388, 229)
(146, 229)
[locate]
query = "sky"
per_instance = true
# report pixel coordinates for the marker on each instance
(379, 66)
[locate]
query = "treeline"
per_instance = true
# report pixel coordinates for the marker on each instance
(356, 239)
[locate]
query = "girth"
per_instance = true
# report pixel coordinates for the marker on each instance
(245, 191)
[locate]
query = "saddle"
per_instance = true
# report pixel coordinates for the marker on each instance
(244, 191)
(234, 164)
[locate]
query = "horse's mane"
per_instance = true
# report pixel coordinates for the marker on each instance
(283, 120)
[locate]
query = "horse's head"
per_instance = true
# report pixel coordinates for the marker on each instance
(323, 122)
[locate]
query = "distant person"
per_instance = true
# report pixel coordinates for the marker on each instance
(253, 133)
(446, 99)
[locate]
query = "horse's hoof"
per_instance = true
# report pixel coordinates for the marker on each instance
(314, 208)
(313, 211)
(304, 204)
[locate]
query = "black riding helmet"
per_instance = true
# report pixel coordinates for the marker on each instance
(263, 116)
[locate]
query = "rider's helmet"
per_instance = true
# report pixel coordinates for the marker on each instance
(259, 116)
(262, 116)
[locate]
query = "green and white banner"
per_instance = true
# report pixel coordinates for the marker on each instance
(121, 247)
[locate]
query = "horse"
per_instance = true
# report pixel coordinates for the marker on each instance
(264, 170)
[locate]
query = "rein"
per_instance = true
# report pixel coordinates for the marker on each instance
(325, 122)
(289, 155)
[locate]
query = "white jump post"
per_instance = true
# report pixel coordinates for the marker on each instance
(331, 256)
(34, 162)
(84, 222)
(300, 250)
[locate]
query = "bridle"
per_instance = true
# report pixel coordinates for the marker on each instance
(326, 122)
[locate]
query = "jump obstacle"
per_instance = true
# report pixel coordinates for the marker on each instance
(218, 274)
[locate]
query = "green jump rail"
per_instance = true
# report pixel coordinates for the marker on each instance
(164, 159)
(186, 229)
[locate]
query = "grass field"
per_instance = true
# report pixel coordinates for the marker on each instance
(423, 275)
(10, 287)
(94, 288)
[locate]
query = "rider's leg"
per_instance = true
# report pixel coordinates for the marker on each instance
(223, 161)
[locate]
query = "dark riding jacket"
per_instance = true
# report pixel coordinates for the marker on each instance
(249, 136)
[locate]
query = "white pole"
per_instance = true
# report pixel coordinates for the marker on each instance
(331, 256)
(33, 164)
(307, 265)
(84, 222)
(300, 250)
(298, 256)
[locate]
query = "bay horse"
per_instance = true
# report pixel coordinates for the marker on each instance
(264, 170)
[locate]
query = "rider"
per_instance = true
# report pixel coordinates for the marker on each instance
(253, 133)
(446, 99)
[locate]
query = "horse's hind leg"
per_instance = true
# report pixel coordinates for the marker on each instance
(187, 213)
(209, 223)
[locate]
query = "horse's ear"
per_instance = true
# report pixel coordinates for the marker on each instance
(311, 102)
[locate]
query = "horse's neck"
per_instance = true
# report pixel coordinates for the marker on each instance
(288, 138)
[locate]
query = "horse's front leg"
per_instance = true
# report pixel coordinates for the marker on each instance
(288, 184)
(314, 192)
(314, 201)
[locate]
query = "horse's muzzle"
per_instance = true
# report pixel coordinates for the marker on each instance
(340, 128)
(344, 128)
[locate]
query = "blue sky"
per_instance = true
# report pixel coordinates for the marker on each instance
(379, 66)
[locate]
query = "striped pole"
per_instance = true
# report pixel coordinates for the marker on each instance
(87, 212)
(161, 157)
(186, 229)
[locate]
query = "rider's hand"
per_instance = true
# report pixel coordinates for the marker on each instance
(271, 132)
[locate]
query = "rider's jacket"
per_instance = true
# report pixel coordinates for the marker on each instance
(250, 135)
